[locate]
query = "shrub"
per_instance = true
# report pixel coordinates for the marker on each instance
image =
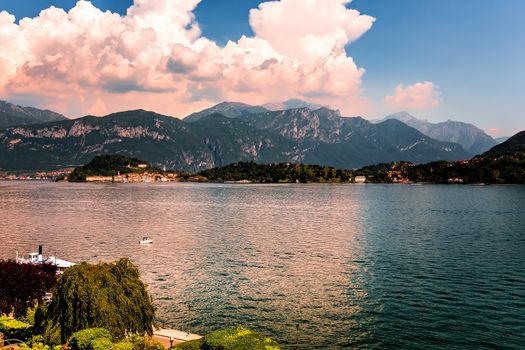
(39, 346)
(231, 339)
(100, 344)
(14, 329)
(123, 345)
(191, 345)
(137, 342)
(29, 317)
(82, 340)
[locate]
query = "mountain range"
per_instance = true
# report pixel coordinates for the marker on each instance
(237, 109)
(320, 136)
(14, 115)
(473, 139)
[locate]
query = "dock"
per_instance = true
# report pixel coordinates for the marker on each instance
(172, 337)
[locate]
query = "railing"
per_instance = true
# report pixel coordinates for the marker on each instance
(11, 342)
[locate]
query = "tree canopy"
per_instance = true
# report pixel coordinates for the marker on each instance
(108, 295)
(284, 172)
(23, 284)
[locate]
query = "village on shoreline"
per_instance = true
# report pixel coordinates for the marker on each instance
(501, 169)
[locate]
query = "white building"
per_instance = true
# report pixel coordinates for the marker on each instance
(360, 179)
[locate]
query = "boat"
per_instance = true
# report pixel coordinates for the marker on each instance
(146, 240)
(39, 258)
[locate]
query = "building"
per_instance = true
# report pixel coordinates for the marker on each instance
(360, 179)
(99, 178)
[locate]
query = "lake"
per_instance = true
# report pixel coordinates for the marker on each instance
(312, 266)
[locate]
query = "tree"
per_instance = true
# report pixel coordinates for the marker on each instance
(105, 295)
(23, 284)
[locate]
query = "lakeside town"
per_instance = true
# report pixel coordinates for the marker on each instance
(500, 169)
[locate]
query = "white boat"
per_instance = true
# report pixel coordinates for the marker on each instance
(39, 258)
(146, 240)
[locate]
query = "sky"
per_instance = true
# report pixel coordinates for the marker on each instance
(438, 59)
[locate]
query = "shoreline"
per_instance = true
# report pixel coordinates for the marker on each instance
(258, 183)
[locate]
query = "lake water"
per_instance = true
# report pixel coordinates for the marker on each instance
(313, 266)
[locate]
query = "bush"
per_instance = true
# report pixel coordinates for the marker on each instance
(191, 345)
(14, 329)
(82, 340)
(38, 346)
(123, 345)
(101, 344)
(29, 317)
(231, 339)
(136, 342)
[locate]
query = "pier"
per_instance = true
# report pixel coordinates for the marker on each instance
(172, 337)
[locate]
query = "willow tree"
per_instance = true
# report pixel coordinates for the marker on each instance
(110, 296)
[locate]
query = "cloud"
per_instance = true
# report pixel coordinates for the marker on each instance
(156, 57)
(414, 97)
(308, 29)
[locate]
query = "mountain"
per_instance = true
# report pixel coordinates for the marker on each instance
(501, 139)
(326, 138)
(473, 139)
(158, 139)
(514, 145)
(296, 135)
(12, 115)
(290, 104)
(227, 109)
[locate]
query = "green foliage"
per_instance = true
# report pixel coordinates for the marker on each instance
(103, 295)
(50, 332)
(123, 345)
(100, 344)
(23, 284)
(82, 340)
(501, 170)
(29, 317)
(39, 346)
(107, 165)
(37, 342)
(231, 339)
(14, 329)
(277, 173)
(191, 345)
(136, 342)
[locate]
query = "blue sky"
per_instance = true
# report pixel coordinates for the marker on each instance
(474, 51)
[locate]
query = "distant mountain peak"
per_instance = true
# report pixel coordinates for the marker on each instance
(291, 104)
(405, 116)
(473, 139)
(227, 109)
(14, 115)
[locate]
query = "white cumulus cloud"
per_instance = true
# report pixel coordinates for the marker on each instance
(155, 57)
(417, 96)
